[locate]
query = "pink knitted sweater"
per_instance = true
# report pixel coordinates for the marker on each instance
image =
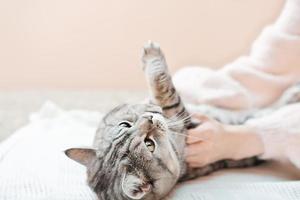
(257, 80)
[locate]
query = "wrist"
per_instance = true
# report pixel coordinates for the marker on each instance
(242, 142)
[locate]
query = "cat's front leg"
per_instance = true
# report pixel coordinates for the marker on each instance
(157, 75)
(162, 90)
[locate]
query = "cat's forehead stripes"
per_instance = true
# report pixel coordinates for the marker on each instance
(108, 169)
(116, 149)
(121, 112)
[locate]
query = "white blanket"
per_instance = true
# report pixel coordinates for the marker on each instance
(34, 167)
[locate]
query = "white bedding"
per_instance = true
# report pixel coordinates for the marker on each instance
(34, 167)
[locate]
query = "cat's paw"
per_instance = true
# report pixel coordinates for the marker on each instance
(152, 55)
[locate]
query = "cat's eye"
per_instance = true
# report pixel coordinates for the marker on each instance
(125, 124)
(150, 144)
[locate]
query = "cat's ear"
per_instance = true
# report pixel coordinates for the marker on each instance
(135, 188)
(81, 155)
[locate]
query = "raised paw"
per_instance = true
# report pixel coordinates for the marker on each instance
(152, 53)
(153, 59)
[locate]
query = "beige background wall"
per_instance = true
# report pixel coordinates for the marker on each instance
(90, 44)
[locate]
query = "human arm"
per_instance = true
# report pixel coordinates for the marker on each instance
(273, 137)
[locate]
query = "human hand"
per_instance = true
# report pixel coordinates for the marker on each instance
(206, 143)
(212, 141)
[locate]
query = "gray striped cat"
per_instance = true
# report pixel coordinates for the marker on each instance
(139, 149)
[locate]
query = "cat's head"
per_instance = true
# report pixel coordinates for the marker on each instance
(134, 156)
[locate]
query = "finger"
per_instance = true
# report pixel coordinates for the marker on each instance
(199, 134)
(192, 159)
(200, 117)
(193, 136)
(196, 161)
(195, 149)
(197, 164)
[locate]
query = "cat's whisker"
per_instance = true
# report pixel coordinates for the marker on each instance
(178, 126)
(182, 116)
(189, 136)
(176, 121)
(175, 124)
(179, 119)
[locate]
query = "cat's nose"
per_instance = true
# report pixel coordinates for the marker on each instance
(149, 117)
(146, 122)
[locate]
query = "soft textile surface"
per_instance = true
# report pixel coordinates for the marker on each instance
(34, 167)
(254, 80)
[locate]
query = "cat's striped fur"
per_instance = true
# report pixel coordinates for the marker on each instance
(138, 149)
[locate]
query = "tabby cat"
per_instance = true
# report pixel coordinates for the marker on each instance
(138, 149)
